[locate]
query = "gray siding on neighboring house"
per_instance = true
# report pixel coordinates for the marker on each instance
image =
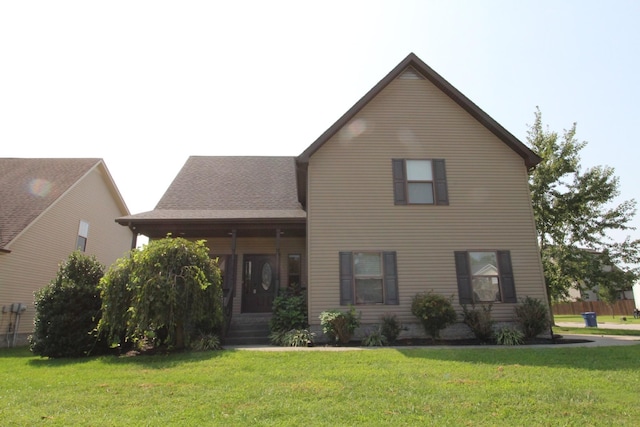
(351, 202)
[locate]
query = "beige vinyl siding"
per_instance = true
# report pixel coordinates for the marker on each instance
(351, 204)
(259, 246)
(48, 241)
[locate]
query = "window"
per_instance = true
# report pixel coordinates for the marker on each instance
(485, 276)
(368, 278)
(294, 269)
(420, 182)
(83, 234)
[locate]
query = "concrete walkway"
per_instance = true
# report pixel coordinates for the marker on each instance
(602, 325)
(594, 341)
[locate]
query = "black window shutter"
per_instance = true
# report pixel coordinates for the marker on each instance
(465, 293)
(506, 277)
(390, 278)
(399, 182)
(346, 278)
(440, 182)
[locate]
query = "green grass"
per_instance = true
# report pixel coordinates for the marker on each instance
(432, 386)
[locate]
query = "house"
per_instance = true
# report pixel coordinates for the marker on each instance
(599, 269)
(414, 189)
(51, 207)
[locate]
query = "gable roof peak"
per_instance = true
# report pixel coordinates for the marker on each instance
(530, 158)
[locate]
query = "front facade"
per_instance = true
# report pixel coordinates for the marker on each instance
(51, 207)
(414, 189)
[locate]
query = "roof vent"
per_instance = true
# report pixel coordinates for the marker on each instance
(411, 74)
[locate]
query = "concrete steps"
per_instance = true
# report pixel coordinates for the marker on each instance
(248, 329)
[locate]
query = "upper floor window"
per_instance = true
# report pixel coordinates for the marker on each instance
(83, 234)
(419, 181)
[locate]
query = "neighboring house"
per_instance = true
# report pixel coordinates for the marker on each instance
(414, 189)
(49, 208)
(591, 294)
(585, 290)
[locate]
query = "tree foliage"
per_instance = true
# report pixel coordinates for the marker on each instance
(168, 293)
(575, 213)
(68, 310)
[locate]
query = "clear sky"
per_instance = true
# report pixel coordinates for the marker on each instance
(145, 84)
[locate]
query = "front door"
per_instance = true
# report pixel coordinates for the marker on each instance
(258, 283)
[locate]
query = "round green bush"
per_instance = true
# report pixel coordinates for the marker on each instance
(434, 312)
(68, 311)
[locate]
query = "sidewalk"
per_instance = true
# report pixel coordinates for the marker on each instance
(602, 325)
(594, 341)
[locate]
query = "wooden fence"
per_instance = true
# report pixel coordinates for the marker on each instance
(623, 307)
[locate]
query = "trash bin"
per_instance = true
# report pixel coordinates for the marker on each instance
(590, 319)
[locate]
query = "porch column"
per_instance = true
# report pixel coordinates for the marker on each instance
(134, 236)
(277, 260)
(234, 265)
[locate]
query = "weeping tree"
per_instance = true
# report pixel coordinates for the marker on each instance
(167, 293)
(575, 213)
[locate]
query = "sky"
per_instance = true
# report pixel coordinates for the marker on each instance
(145, 84)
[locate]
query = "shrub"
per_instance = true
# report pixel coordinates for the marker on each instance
(479, 321)
(68, 311)
(391, 327)
(292, 338)
(206, 342)
(277, 337)
(168, 294)
(339, 326)
(435, 312)
(374, 338)
(509, 336)
(533, 317)
(289, 312)
(298, 338)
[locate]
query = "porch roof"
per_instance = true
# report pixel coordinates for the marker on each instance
(212, 195)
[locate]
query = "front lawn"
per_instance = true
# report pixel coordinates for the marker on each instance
(563, 385)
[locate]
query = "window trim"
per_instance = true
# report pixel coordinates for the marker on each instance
(400, 182)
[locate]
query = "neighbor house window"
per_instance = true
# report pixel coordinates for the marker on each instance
(83, 234)
(485, 277)
(368, 278)
(419, 182)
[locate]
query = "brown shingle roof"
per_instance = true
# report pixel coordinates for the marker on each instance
(29, 186)
(229, 187)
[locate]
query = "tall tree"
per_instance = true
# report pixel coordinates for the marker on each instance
(575, 213)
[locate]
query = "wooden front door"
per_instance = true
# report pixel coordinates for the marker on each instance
(258, 283)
